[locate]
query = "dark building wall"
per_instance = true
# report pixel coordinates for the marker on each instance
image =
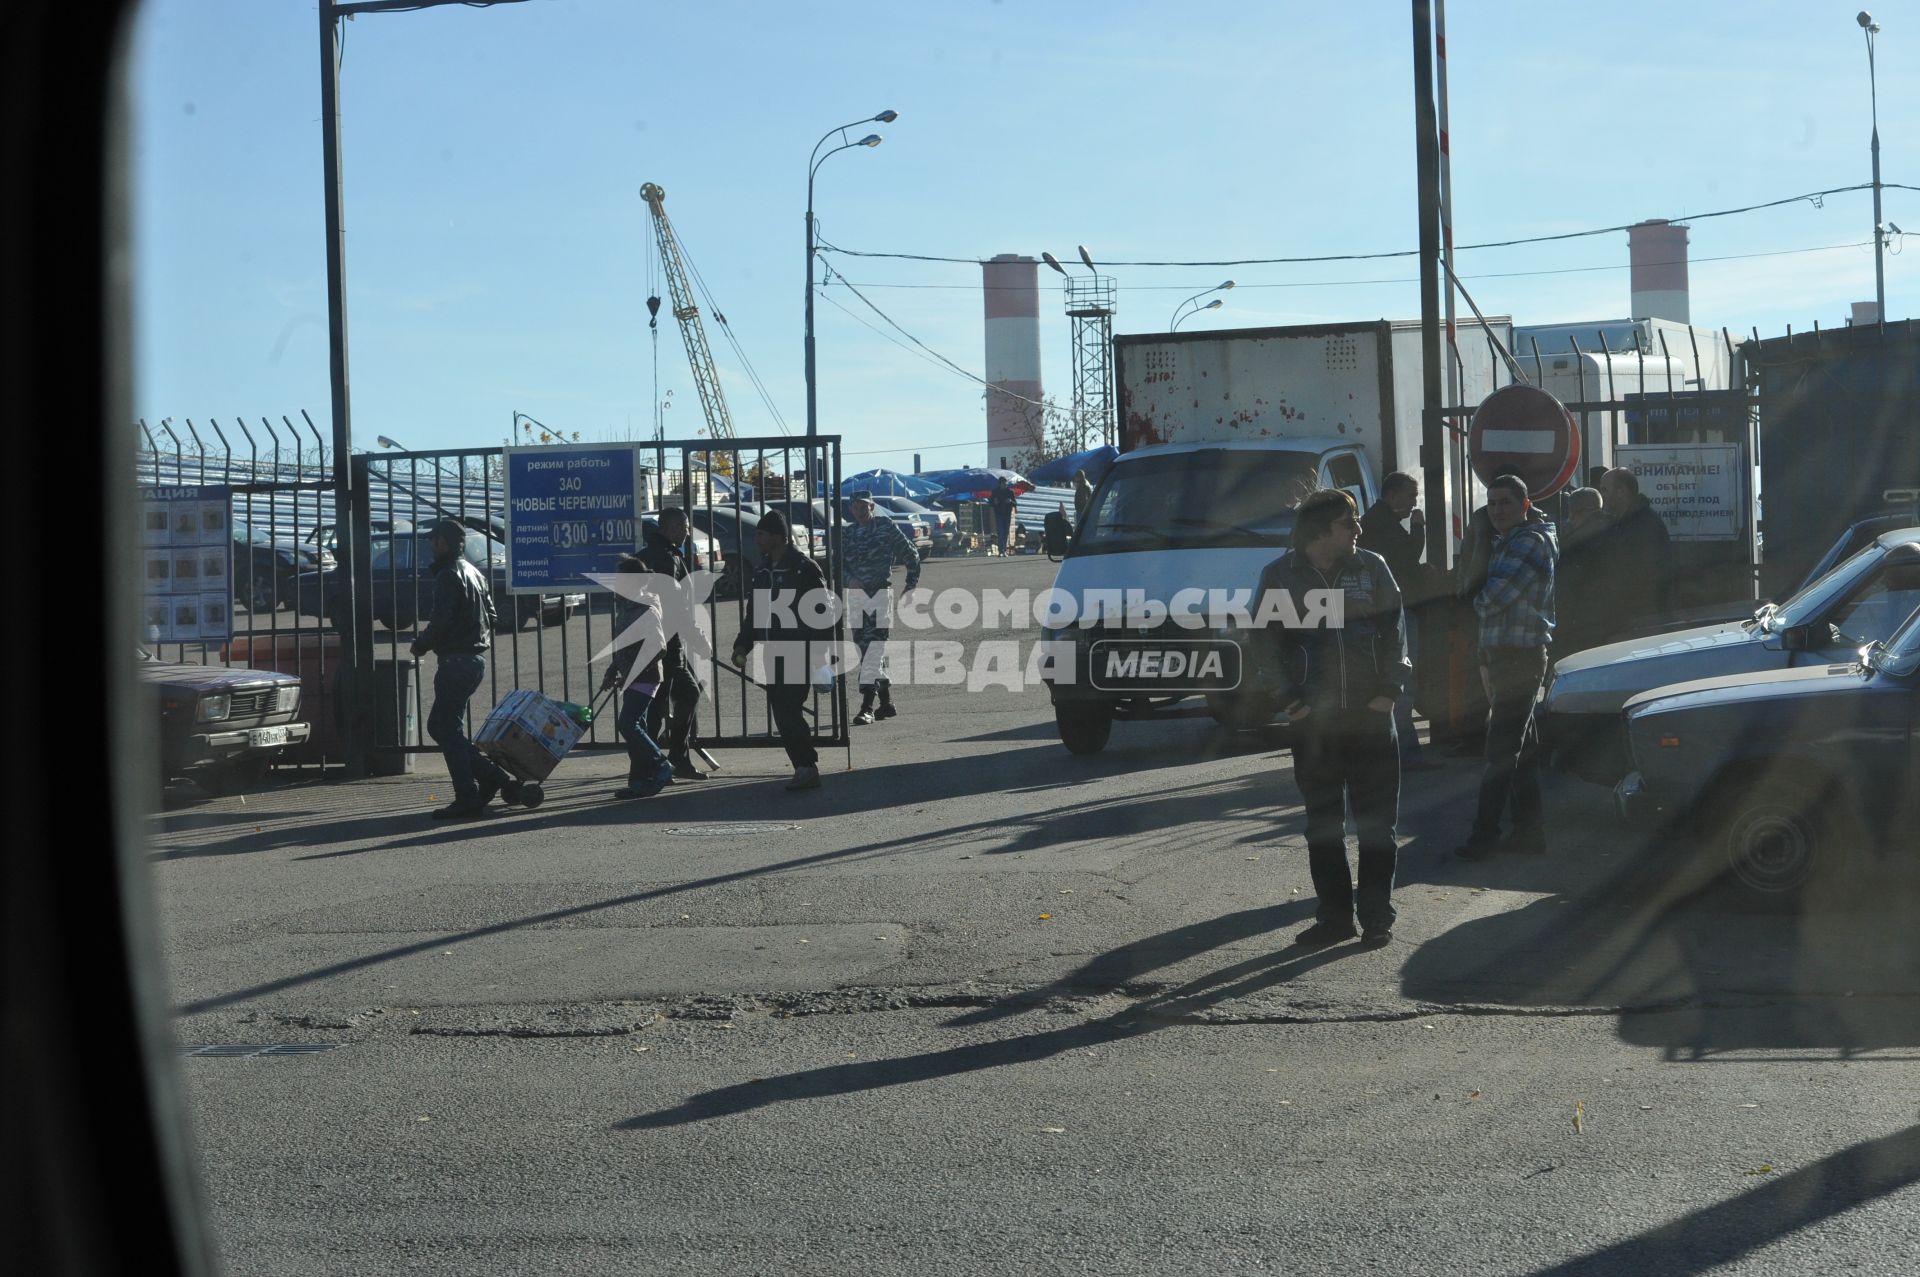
(1839, 425)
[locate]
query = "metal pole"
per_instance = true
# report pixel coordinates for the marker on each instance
(354, 599)
(1879, 238)
(1427, 162)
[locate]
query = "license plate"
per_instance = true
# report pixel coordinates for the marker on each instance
(1140, 665)
(265, 737)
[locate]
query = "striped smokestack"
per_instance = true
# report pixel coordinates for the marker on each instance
(1658, 251)
(1012, 287)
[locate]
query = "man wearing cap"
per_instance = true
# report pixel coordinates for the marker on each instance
(670, 718)
(459, 631)
(868, 551)
(783, 612)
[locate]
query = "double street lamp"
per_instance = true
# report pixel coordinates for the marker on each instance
(1215, 304)
(814, 162)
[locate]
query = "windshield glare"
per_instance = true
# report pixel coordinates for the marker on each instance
(1215, 496)
(1829, 589)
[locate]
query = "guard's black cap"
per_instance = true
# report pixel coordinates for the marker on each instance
(864, 494)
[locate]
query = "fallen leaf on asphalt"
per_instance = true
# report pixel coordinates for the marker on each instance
(1067, 892)
(256, 829)
(1765, 1168)
(1473, 1095)
(1045, 917)
(423, 1119)
(638, 1049)
(1579, 1114)
(685, 916)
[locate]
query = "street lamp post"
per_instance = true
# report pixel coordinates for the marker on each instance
(814, 161)
(1213, 305)
(1870, 29)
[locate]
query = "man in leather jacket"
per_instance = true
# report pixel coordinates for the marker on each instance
(1342, 679)
(460, 631)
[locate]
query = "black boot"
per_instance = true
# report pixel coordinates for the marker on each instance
(865, 716)
(886, 709)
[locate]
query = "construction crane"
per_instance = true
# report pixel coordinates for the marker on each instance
(705, 376)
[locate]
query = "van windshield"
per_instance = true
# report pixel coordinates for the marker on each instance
(1209, 497)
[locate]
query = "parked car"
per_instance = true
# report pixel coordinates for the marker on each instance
(1783, 776)
(221, 727)
(1862, 600)
(265, 568)
(942, 526)
(402, 584)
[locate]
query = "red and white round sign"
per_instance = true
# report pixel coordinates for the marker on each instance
(1523, 429)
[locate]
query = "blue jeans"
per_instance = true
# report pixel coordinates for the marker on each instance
(1342, 756)
(455, 680)
(643, 755)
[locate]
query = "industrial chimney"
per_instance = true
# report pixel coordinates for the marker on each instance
(1012, 287)
(1658, 251)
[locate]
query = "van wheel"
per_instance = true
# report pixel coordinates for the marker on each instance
(1775, 836)
(1083, 728)
(1240, 712)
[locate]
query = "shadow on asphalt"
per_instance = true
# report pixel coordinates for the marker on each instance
(1170, 1006)
(1688, 966)
(1726, 1232)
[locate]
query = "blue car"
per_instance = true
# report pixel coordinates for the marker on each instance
(1786, 777)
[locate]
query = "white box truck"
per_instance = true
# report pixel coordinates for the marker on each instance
(1222, 434)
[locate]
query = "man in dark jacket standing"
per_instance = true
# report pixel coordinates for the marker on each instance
(787, 590)
(869, 549)
(670, 719)
(459, 631)
(1402, 548)
(1635, 551)
(1342, 682)
(1580, 594)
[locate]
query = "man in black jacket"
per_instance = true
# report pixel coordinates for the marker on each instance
(1635, 552)
(1342, 681)
(670, 720)
(460, 631)
(787, 595)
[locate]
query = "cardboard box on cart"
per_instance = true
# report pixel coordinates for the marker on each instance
(528, 734)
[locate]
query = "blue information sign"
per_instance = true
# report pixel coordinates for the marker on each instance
(570, 511)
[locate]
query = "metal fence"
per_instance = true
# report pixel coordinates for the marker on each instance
(290, 548)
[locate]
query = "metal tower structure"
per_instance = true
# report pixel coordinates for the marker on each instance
(705, 376)
(1090, 305)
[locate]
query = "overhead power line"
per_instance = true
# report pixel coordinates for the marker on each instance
(1815, 197)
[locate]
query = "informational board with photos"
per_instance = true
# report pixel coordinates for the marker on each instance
(187, 546)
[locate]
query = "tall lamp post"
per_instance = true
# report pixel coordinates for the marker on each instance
(1870, 29)
(1212, 305)
(814, 162)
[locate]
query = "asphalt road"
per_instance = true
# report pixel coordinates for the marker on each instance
(978, 1005)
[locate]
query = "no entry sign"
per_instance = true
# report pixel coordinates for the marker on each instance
(1523, 429)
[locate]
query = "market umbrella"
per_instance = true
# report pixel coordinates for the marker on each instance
(977, 484)
(1060, 471)
(886, 483)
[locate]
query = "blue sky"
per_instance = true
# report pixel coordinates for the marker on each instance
(499, 256)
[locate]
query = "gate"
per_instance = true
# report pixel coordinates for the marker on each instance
(288, 546)
(559, 641)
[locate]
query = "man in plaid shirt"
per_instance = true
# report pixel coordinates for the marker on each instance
(1515, 608)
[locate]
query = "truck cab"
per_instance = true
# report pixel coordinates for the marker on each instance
(1162, 572)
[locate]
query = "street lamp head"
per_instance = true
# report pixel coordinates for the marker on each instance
(1087, 257)
(886, 117)
(871, 139)
(1865, 20)
(1224, 287)
(385, 442)
(1215, 304)
(1053, 261)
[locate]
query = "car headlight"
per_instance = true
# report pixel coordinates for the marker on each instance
(213, 707)
(287, 699)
